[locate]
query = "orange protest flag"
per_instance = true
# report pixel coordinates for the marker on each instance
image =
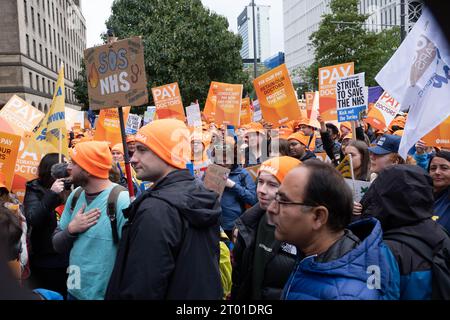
(108, 125)
(246, 113)
(383, 112)
(439, 136)
(210, 105)
(327, 88)
(276, 96)
(168, 102)
(309, 97)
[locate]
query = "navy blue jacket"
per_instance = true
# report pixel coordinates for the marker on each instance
(235, 199)
(441, 208)
(367, 272)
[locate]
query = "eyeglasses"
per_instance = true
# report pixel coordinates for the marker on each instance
(279, 201)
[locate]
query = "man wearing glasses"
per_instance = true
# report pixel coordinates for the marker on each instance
(312, 210)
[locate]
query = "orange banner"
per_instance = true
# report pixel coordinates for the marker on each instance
(383, 112)
(228, 105)
(327, 88)
(168, 102)
(246, 113)
(9, 148)
(21, 116)
(30, 155)
(108, 125)
(309, 97)
(439, 136)
(276, 96)
(211, 100)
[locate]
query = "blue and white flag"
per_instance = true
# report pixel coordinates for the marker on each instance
(418, 76)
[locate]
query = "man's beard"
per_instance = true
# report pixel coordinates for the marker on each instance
(81, 180)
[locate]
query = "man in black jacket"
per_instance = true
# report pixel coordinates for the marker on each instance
(262, 265)
(170, 245)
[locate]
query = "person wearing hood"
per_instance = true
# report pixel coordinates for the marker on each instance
(240, 190)
(170, 244)
(401, 198)
(440, 173)
(312, 210)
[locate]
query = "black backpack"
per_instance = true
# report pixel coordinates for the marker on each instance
(437, 255)
(110, 209)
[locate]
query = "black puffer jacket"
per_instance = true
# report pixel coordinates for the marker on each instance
(40, 204)
(261, 265)
(170, 244)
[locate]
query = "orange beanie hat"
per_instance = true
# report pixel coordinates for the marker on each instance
(168, 139)
(284, 133)
(279, 166)
(300, 137)
(118, 148)
(94, 157)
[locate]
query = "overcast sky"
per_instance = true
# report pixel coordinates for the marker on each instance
(97, 12)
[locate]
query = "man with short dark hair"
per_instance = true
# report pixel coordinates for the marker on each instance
(311, 211)
(170, 245)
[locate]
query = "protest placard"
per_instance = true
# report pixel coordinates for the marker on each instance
(383, 112)
(9, 148)
(309, 100)
(351, 97)
(228, 104)
(133, 124)
(168, 102)
(194, 117)
(210, 105)
(358, 187)
(277, 97)
(327, 88)
(257, 114)
(149, 115)
(216, 178)
(116, 74)
(246, 112)
(439, 136)
(108, 126)
(20, 116)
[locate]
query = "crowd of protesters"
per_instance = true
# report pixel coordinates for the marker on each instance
(293, 231)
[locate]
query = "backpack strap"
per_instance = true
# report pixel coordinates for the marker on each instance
(111, 210)
(75, 198)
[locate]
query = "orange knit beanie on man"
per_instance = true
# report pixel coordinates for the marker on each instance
(169, 140)
(94, 157)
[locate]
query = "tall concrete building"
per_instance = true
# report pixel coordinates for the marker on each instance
(302, 18)
(36, 37)
(245, 30)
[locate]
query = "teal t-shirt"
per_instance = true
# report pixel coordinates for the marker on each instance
(93, 253)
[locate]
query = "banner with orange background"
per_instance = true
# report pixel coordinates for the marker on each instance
(168, 102)
(277, 97)
(246, 112)
(210, 105)
(383, 112)
(9, 148)
(439, 136)
(108, 125)
(309, 99)
(26, 169)
(327, 88)
(20, 116)
(228, 104)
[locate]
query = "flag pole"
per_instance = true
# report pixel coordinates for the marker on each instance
(60, 146)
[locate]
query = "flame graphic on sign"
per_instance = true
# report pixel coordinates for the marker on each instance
(93, 76)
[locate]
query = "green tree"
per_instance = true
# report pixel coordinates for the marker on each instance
(184, 42)
(341, 38)
(81, 89)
